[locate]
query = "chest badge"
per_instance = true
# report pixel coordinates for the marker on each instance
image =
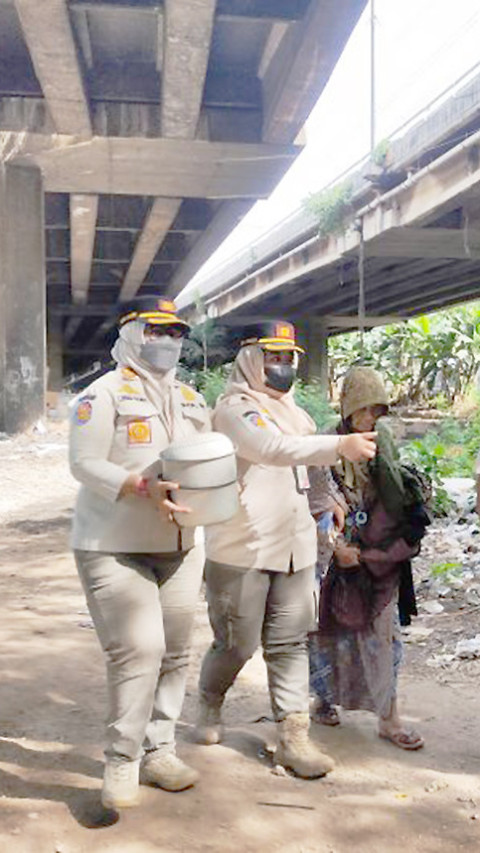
(128, 389)
(139, 432)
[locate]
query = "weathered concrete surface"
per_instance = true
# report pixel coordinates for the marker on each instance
(22, 299)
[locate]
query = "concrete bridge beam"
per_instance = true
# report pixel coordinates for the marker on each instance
(55, 344)
(313, 335)
(22, 298)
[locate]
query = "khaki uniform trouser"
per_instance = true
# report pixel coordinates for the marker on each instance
(247, 608)
(144, 619)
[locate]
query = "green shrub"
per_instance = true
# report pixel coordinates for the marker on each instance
(440, 570)
(311, 397)
(211, 383)
(450, 451)
(330, 208)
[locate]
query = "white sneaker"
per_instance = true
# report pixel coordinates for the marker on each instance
(120, 784)
(167, 771)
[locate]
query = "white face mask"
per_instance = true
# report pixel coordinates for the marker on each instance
(161, 354)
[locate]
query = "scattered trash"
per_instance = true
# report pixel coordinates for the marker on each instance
(432, 607)
(416, 633)
(440, 660)
(468, 648)
(472, 595)
(39, 428)
(461, 490)
(436, 785)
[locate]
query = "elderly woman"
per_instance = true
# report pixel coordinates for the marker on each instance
(356, 653)
(260, 564)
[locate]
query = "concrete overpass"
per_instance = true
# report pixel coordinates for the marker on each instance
(415, 220)
(134, 134)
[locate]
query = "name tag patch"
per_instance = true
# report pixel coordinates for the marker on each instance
(139, 432)
(301, 476)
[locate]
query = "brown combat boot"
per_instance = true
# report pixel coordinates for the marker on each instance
(166, 770)
(295, 750)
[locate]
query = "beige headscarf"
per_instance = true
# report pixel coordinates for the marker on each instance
(159, 387)
(248, 380)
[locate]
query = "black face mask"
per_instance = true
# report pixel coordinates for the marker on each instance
(280, 377)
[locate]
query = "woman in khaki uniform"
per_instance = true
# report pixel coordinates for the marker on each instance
(260, 564)
(141, 572)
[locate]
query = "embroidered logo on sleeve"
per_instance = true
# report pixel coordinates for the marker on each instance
(83, 412)
(254, 419)
(139, 432)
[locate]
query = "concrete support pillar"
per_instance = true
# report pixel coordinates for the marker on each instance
(55, 354)
(313, 335)
(22, 298)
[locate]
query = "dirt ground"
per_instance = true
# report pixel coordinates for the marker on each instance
(52, 704)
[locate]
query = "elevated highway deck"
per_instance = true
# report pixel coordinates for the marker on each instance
(416, 220)
(134, 135)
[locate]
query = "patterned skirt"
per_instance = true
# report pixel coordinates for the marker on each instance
(358, 669)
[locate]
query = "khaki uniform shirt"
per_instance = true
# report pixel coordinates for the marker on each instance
(115, 431)
(273, 528)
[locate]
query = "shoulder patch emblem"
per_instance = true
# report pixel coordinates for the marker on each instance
(254, 419)
(139, 432)
(128, 373)
(188, 394)
(83, 412)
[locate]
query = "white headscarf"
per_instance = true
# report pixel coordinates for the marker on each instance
(159, 387)
(248, 379)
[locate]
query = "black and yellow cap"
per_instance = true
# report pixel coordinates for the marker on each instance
(155, 310)
(272, 335)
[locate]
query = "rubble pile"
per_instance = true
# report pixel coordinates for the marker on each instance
(447, 582)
